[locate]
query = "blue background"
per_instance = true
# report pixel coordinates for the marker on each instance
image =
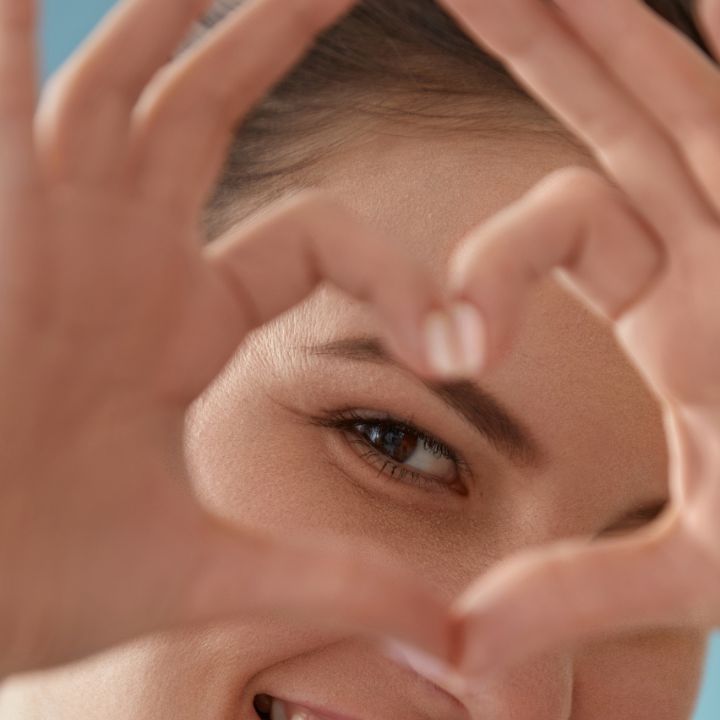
(64, 24)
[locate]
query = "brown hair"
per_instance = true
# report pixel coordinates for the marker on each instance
(405, 61)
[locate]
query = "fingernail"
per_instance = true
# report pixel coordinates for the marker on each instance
(429, 666)
(439, 332)
(470, 328)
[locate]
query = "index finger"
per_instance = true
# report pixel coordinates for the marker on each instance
(555, 66)
(665, 70)
(207, 91)
(342, 584)
(150, 29)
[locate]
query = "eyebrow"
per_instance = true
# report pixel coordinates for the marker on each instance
(475, 405)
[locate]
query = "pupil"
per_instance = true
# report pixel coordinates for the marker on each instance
(394, 442)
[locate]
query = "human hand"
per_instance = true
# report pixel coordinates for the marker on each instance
(642, 248)
(114, 318)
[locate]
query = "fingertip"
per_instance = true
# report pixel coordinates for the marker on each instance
(455, 341)
(429, 666)
(471, 330)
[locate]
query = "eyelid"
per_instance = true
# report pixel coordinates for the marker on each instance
(350, 412)
(333, 418)
(425, 482)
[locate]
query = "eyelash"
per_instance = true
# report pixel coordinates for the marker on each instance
(346, 420)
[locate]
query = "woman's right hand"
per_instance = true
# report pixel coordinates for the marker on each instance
(114, 317)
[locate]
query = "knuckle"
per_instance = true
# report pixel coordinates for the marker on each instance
(626, 136)
(576, 184)
(572, 177)
(192, 102)
(301, 211)
(317, 208)
(63, 99)
(310, 200)
(53, 93)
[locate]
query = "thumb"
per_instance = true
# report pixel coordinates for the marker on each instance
(558, 595)
(344, 585)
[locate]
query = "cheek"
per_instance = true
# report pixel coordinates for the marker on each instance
(260, 468)
(255, 468)
(655, 675)
(247, 466)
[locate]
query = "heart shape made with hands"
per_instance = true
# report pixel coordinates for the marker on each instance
(639, 243)
(114, 315)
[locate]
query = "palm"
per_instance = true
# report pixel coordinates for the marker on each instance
(114, 318)
(160, 320)
(95, 317)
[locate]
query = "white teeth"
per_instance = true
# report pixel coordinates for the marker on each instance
(277, 710)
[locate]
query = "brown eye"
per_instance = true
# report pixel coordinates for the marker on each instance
(408, 447)
(398, 448)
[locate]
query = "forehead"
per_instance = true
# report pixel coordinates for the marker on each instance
(566, 375)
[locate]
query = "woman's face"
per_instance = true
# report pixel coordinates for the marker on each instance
(264, 454)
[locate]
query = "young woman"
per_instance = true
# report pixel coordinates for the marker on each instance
(205, 441)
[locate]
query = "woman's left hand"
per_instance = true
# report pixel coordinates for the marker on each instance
(642, 247)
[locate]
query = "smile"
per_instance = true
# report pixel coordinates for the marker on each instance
(271, 708)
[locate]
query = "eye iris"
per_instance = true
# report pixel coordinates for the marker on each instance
(394, 442)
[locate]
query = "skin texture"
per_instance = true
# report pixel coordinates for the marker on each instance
(259, 463)
(157, 565)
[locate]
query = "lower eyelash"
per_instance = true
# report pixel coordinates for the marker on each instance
(417, 478)
(346, 421)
